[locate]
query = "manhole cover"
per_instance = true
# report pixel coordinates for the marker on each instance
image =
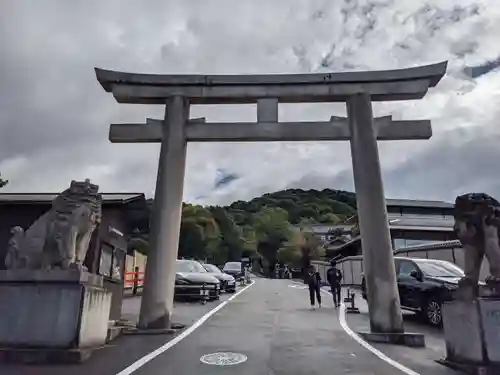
(223, 359)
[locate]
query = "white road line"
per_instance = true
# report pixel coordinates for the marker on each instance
(162, 349)
(375, 351)
(363, 343)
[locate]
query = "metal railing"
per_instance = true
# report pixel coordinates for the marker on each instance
(134, 280)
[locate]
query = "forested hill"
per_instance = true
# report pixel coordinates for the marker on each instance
(259, 227)
(321, 206)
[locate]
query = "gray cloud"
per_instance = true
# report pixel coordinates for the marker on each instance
(472, 161)
(54, 116)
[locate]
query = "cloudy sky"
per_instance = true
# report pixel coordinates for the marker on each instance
(54, 116)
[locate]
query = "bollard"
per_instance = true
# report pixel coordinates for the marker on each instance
(352, 300)
(136, 281)
(247, 276)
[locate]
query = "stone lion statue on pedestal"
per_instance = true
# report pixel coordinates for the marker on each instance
(477, 223)
(60, 238)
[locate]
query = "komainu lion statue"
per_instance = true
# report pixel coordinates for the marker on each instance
(60, 238)
(477, 223)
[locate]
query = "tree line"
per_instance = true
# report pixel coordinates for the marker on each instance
(3, 182)
(269, 228)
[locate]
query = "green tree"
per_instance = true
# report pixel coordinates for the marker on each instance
(232, 243)
(308, 246)
(289, 255)
(3, 182)
(272, 230)
(199, 235)
(330, 218)
(324, 206)
(306, 222)
(250, 242)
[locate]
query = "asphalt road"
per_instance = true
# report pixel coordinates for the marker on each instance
(184, 312)
(124, 351)
(272, 325)
(269, 325)
(420, 360)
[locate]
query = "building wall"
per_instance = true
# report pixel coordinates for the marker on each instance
(12, 215)
(407, 238)
(451, 251)
(135, 260)
(108, 252)
(435, 211)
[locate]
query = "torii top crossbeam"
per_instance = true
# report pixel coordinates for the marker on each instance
(386, 85)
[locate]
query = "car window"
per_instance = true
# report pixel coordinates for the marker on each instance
(397, 263)
(233, 266)
(441, 269)
(212, 268)
(189, 266)
(406, 268)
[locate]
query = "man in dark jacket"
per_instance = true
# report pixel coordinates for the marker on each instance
(334, 277)
(314, 283)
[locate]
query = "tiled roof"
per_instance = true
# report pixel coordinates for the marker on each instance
(421, 222)
(418, 203)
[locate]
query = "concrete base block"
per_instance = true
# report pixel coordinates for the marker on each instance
(45, 356)
(114, 333)
(152, 331)
(472, 334)
(352, 310)
(470, 368)
(174, 327)
(52, 314)
(406, 339)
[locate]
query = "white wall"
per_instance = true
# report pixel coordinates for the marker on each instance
(451, 251)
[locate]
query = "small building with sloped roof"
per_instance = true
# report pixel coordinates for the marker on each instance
(122, 215)
(411, 223)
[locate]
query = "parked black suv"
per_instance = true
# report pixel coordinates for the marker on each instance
(424, 284)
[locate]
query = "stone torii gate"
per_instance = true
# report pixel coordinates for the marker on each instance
(357, 89)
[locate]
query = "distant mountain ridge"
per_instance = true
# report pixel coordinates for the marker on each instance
(321, 206)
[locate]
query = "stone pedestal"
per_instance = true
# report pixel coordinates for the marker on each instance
(55, 316)
(472, 335)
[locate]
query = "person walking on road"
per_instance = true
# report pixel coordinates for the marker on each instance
(334, 277)
(314, 283)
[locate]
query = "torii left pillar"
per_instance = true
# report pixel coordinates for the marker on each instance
(157, 300)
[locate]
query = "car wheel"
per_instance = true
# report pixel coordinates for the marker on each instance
(433, 313)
